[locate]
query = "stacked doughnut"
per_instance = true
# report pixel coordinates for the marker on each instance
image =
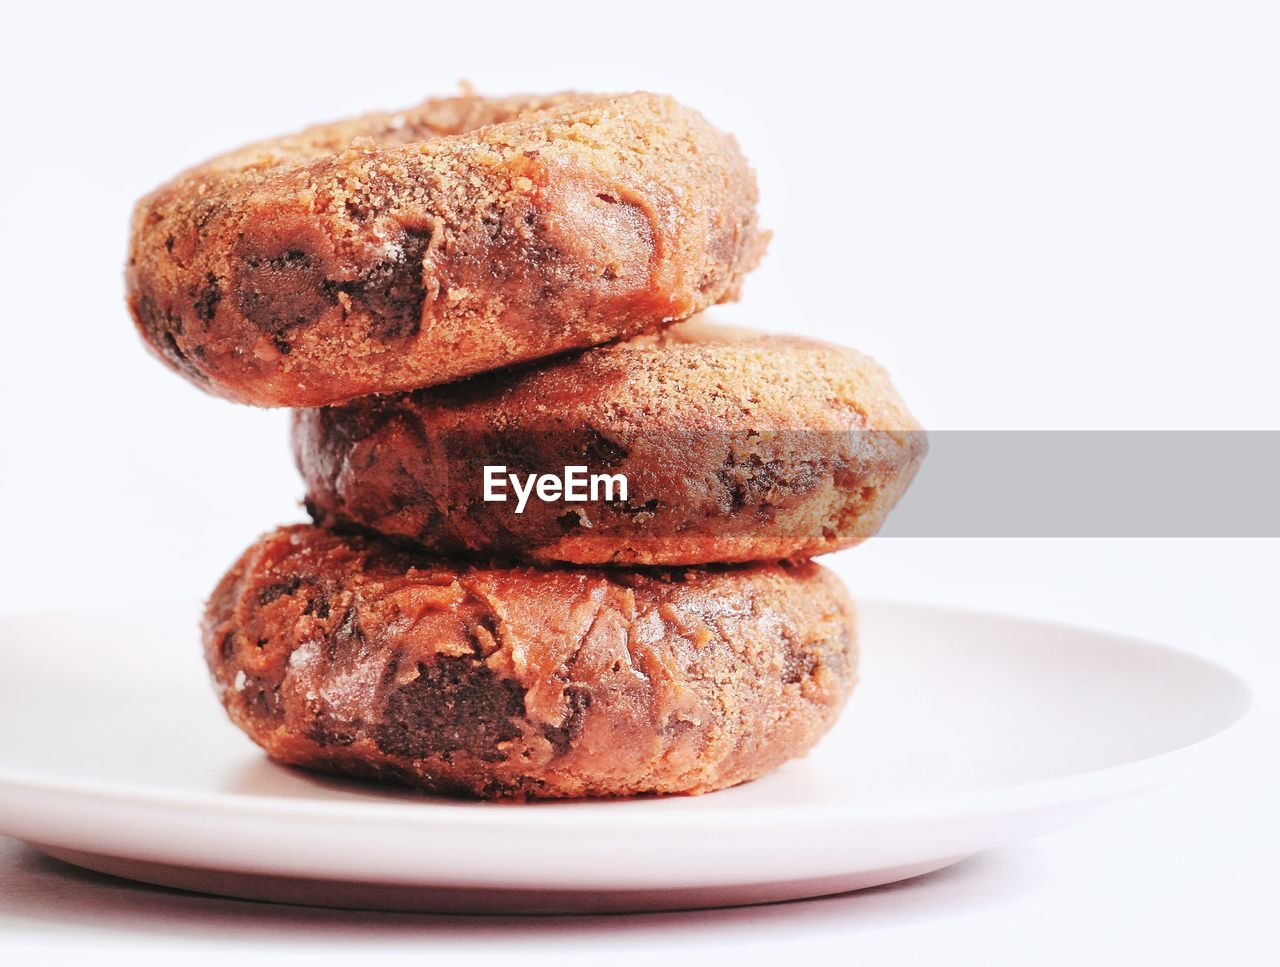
(561, 536)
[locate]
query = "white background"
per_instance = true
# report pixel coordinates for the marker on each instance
(1037, 215)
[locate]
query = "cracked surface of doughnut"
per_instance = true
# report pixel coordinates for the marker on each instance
(346, 655)
(403, 250)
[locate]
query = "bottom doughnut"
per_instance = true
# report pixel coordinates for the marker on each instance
(342, 654)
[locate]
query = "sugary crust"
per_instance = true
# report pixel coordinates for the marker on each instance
(736, 447)
(346, 655)
(403, 250)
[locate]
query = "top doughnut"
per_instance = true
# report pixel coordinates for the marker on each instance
(396, 251)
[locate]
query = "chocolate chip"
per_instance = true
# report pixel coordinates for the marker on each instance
(563, 736)
(600, 451)
(318, 607)
(206, 303)
(754, 482)
(282, 589)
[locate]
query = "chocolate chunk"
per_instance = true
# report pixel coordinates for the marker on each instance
(454, 704)
(282, 291)
(392, 290)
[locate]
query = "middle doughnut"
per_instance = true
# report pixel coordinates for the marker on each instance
(732, 446)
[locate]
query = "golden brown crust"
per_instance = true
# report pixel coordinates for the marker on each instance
(345, 655)
(399, 251)
(736, 447)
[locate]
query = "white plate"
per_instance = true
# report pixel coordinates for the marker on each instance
(969, 731)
